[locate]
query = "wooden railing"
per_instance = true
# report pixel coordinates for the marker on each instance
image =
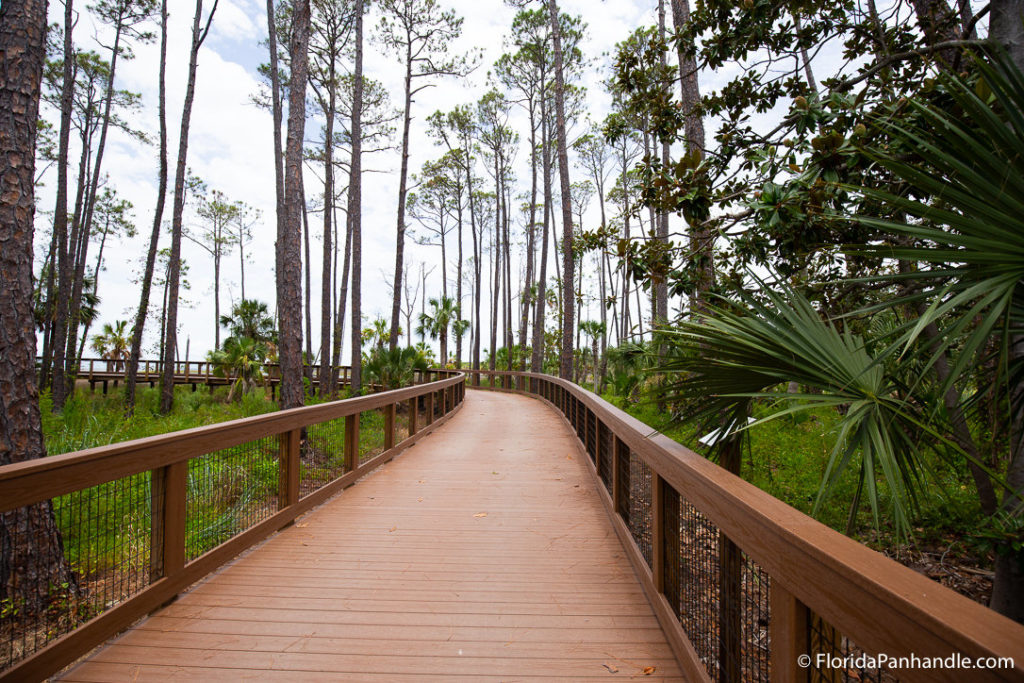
(199, 371)
(745, 585)
(96, 539)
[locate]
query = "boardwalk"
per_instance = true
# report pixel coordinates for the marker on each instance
(481, 553)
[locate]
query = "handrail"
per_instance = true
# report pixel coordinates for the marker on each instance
(821, 582)
(162, 469)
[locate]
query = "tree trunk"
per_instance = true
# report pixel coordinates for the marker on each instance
(339, 319)
(537, 356)
(275, 104)
(216, 298)
(59, 263)
(74, 316)
(702, 240)
(1006, 27)
(174, 264)
(289, 238)
(531, 231)
(327, 382)
(154, 237)
(568, 275)
(355, 185)
(33, 555)
(396, 303)
(307, 266)
(661, 284)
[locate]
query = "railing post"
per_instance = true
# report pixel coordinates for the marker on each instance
(389, 426)
(288, 464)
(788, 636)
(351, 442)
(414, 403)
(430, 408)
(168, 490)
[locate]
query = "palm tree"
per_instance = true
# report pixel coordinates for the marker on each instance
(967, 236)
(250, 318)
(595, 330)
(113, 343)
(459, 329)
(444, 314)
(241, 359)
(394, 368)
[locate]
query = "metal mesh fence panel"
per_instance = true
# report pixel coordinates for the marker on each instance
(835, 658)
(322, 455)
(65, 561)
(228, 492)
(371, 433)
(640, 504)
(605, 456)
(698, 583)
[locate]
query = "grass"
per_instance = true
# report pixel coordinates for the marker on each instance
(787, 457)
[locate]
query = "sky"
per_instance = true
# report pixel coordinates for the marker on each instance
(230, 148)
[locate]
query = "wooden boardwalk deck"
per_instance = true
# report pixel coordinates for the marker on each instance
(481, 553)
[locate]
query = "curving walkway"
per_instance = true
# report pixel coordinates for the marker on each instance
(481, 553)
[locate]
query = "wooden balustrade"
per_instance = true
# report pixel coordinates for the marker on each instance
(812, 575)
(166, 460)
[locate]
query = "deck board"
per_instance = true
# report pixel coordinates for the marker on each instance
(482, 552)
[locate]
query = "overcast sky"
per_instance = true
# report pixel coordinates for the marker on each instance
(230, 146)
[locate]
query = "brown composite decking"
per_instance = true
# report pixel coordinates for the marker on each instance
(483, 552)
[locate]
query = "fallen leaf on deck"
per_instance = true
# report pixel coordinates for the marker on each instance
(648, 670)
(568, 457)
(611, 668)
(420, 499)
(480, 514)
(394, 528)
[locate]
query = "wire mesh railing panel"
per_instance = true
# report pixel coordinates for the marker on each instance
(65, 561)
(321, 455)
(640, 513)
(623, 506)
(371, 434)
(699, 583)
(228, 492)
(755, 618)
(402, 422)
(605, 452)
(836, 659)
(591, 439)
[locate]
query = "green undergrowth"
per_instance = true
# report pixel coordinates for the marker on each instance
(787, 458)
(92, 419)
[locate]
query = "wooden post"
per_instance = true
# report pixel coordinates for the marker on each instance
(351, 442)
(289, 444)
(413, 405)
(788, 636)
(430, 408)
(168, 492)
(389, 426)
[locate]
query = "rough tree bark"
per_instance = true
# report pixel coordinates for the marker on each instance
(289, 237)
(355, 186)
(30, 544)
(568, 268)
